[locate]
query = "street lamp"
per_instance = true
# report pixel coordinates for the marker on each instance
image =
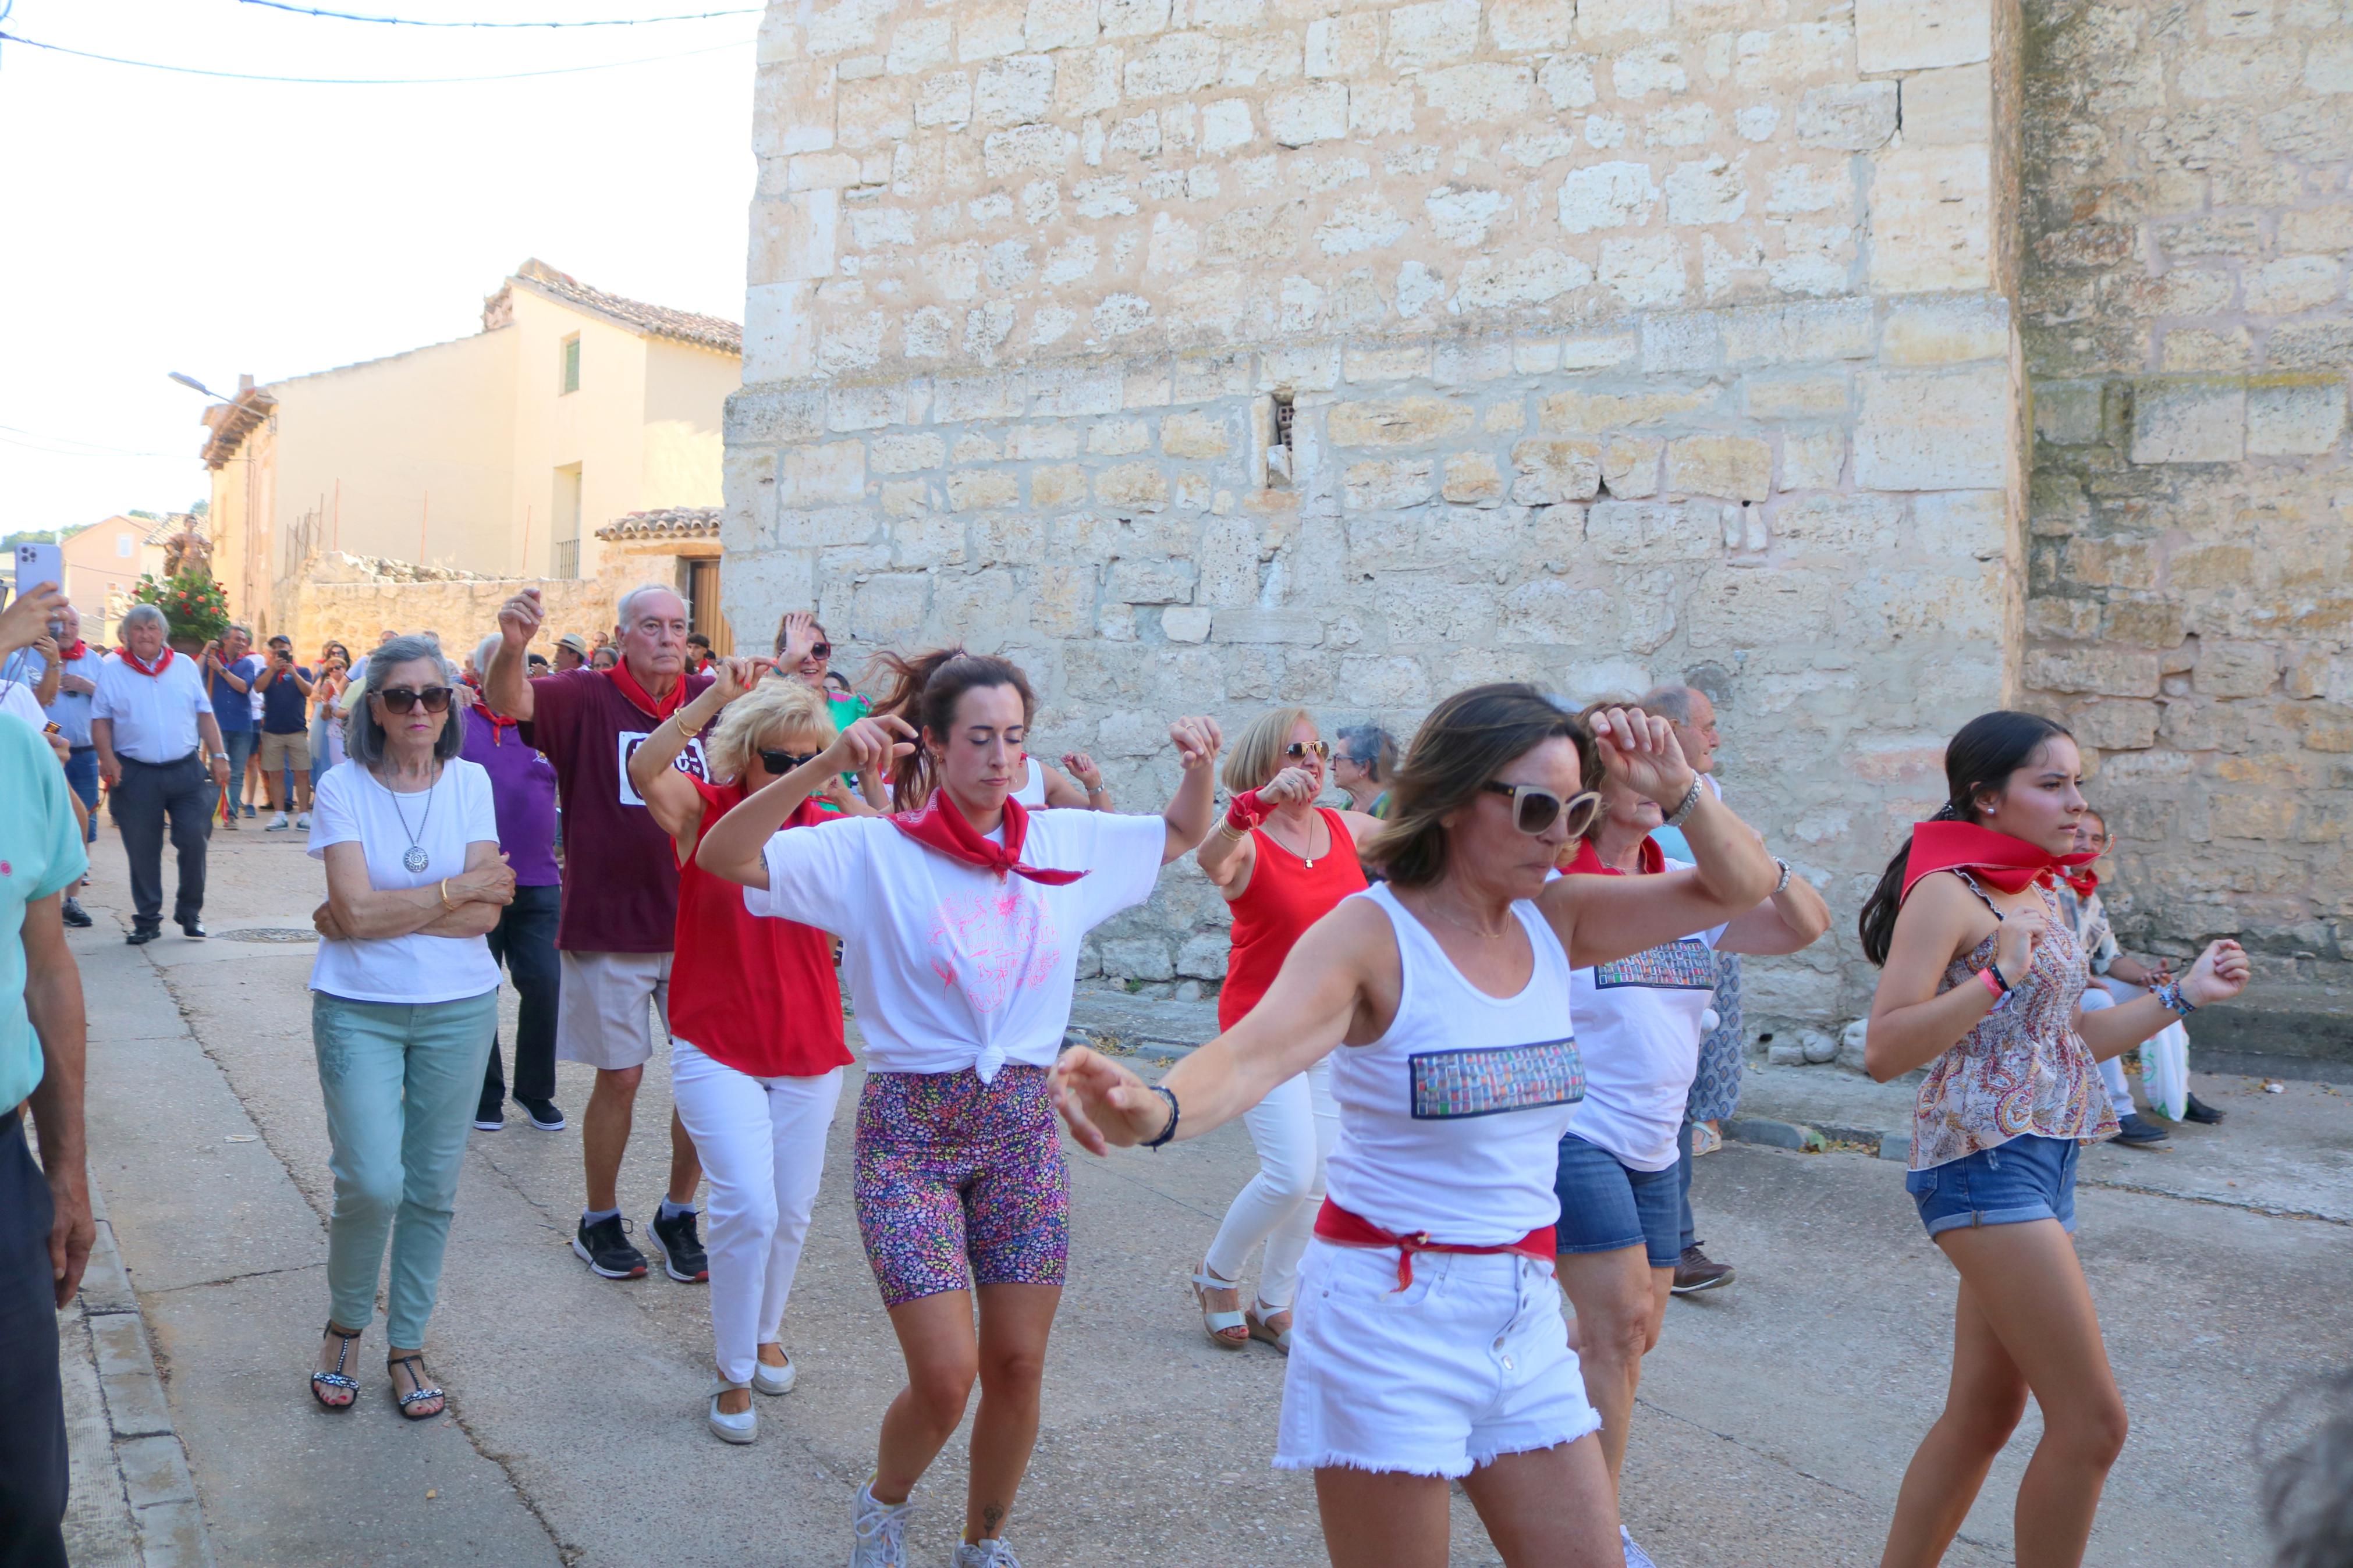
(190, 381)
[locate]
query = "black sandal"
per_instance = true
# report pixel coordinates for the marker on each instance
(424, 1390)
(336, 1378)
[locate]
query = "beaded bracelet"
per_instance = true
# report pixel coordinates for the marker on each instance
(2169, 995)
(1176, 1114)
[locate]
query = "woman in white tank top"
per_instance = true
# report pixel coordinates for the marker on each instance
(1042, 785)
(1428, 1343)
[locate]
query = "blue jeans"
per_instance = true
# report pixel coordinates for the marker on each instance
(81, 777)
(399, 1083)
(239, 746)
(2028, 1178)
(1607, 1205)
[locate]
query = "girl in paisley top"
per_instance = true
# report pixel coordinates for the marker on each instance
(1980, 985)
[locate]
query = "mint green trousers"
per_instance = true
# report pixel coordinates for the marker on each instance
(400, 1084)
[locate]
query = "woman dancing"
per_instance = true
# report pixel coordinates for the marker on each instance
(1428, 1342)
(1638, 1028)
(1981, 983)
(1282, 863)
(756, 1050)
(967, 916)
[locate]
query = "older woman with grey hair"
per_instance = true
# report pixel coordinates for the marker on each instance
(403, 1001)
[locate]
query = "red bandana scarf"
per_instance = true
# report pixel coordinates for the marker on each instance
(143, 666)
(2009, 864)
(942, 826)
(2085, 883)
(80, 646)
(1650, 857)
(659, 708)
(499, 722)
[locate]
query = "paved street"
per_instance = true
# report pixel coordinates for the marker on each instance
(1776, 1418)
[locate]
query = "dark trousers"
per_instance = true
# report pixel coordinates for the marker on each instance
(525, 941)
(33, 1432)
(148, 793)
(81, 776)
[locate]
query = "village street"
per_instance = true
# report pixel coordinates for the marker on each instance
(1774, 1421)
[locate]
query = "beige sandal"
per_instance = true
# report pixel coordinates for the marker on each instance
(1218, 1325)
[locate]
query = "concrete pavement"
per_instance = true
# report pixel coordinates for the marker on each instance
(1777, 1415)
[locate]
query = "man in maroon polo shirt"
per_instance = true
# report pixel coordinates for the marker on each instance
(620, 896)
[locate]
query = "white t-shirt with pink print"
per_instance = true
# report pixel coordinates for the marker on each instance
(951, 968)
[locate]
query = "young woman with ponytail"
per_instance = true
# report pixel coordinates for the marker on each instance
(1981, 984)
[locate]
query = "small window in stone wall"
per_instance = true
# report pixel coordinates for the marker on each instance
(1279, 466)
(571, 364)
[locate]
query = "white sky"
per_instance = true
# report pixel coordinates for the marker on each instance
(157, 222)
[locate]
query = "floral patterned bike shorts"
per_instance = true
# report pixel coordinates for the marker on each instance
(960, 1183)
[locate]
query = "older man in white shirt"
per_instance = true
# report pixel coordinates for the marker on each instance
(160, 752)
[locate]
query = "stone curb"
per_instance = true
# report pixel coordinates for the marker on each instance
(1798, 1135)
(147, 1452)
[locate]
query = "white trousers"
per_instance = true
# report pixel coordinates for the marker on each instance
(762, 1141)
(2112, 1070)
(1293, 1128)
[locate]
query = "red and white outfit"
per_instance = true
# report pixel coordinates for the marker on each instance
(1429, 1362)
(756, 1059)
(1295, 1126)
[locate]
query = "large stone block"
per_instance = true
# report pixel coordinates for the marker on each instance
(2189, 420)
(1639, 532)
(1949, 107)
(1395, 422)
(1848, 117)
(1922, 35)
(1737, 467)
(2293, 419)
(2109, 672)
(1556, 471)
(1600, 413)
(1735, 607)
(1934, 430)
(2236, 670)
(1932, 219)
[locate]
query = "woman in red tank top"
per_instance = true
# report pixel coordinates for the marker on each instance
(757, 1048)
(1282, 863)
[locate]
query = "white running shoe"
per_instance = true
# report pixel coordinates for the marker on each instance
(1635, 1556)
(743, 1428)
(985, 1555)
(277, 824)
(303, 821)
(880, 1531)
(774, 1379)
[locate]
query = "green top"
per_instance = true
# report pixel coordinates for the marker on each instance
(40, 854)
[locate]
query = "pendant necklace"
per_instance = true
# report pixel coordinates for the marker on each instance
(414, 857)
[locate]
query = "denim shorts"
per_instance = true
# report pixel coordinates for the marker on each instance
(2030, 1177)
(1606, 1204)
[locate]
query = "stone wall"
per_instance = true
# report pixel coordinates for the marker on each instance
(1622, 340)
(2186, 331)
(349, 599)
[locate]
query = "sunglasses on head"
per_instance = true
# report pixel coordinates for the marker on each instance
(779, 763)
(1535, 810)
(404, 698)
(1297, 750)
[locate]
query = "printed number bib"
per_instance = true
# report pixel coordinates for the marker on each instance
(1685, 965)
(1451, 1084)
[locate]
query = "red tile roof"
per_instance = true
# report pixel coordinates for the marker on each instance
(685, 326)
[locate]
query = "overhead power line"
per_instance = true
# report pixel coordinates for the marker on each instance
(362, 81)
(73, 446)
(415, 21)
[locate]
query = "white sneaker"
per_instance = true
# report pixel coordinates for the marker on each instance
(880, 1531)
(1635, 1556)
(727, 1428)
(276, 822)
(986, 1553)
(774, 1379)
(303, 821)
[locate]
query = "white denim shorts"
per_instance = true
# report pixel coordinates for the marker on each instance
(1468, 1363)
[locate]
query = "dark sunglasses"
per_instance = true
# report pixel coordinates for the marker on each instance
(779, 763)
(1535, 810)
(820, 650)
(1297, 750)
(404, 699)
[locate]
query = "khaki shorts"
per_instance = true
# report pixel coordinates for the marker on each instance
(280, 752)
(600, 1012)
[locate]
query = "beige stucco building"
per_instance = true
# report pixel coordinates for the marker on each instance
(497, 457)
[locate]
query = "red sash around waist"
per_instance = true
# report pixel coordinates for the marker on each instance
(1338, 1227)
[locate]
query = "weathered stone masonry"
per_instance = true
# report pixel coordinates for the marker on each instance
(1622, 340)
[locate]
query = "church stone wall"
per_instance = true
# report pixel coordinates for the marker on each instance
(1618, 341)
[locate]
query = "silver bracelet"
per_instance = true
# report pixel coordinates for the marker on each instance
(1685, 807)
(1783, 882)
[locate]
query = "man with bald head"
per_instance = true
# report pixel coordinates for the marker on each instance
(1715, 1089)
(619, 914)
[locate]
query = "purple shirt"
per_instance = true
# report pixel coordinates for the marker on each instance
(523, 789)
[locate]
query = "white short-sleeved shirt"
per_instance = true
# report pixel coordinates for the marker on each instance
(350, 804)
(17, 697)
(1637, 1026)
(950, 967)
(155, 716)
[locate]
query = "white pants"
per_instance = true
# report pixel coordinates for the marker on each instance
(763, 1145)
(1293, 1128)
(2112, 1070)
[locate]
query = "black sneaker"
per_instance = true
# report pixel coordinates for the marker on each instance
(543, 1114)
(74, 915)
(2137, 1131)
(605, 1247)
(140, 935)
(489, 1116)
(682, 1256)
(2201, 1112)
(193, 929)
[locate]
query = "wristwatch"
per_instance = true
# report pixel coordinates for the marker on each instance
(220, 756)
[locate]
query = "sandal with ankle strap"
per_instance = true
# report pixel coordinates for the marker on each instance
(1258, 1317)
(420, 1394)
(336, 1378)
(1216, 1323)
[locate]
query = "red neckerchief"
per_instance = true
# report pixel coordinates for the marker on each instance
(80, 646)
(941, 826)
(660, 708)
(499, 722)
(159, 666)
(2009, 864)
(1650, 857)
(2085, 883)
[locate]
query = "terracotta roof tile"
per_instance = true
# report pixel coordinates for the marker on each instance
(669, 522)
(685, 326)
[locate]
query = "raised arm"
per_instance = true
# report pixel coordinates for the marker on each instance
(1324, 990)
(736, 846)
(2220, 973)
(465, 905)
(506, 683)
(1791, 920)
(676, 804)
(53, 669)
(1193, 806)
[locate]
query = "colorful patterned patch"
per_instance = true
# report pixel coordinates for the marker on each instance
(1685, 965)
(1448, 1084)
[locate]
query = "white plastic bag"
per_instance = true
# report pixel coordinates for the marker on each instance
(2165, 1070)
